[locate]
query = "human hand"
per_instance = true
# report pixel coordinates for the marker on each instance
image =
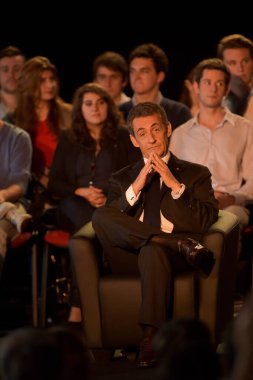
(192, 94)
(224, 199)
(162, 168)
(143, 176)
(2, 196)
(92, 194)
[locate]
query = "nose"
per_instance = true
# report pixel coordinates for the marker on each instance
(240, 67)
(95, 105)
(151, 137)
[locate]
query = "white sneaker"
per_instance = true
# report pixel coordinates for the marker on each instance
(22, 222)
(5, 207)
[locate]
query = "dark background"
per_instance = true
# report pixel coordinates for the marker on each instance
(74, 34)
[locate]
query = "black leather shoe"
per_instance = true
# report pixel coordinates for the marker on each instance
(146, 356)
(198, 256)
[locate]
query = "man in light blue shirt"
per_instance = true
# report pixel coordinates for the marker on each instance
(15, 163)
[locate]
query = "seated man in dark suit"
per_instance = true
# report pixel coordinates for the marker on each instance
(158, 226)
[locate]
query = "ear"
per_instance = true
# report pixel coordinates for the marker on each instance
(124, 83)
(161, 77)
(134, 141)
(169, 129)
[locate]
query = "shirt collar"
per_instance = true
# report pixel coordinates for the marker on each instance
(228, 117)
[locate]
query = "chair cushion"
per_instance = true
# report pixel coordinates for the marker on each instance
(58, 238)
(21, 239)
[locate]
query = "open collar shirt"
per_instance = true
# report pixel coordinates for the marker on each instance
(226, 150)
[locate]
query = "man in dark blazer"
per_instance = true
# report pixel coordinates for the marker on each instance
(187, 209)
(148, 66)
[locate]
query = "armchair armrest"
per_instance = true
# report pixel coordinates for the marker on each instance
(216, 293)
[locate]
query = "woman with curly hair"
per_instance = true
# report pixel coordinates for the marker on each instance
(96, 145)
(86, 156)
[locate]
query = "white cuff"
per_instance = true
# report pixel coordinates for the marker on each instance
(131, 197)
(176, 195)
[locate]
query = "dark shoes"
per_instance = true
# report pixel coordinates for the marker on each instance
(198, 256)
(146, 356)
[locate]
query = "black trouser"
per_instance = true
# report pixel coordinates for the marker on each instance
(127, 245)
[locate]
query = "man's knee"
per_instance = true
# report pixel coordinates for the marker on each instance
(154, 253)
(241, 212)
(101, 215)
(79, 245)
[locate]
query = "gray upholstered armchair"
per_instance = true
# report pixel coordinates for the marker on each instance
(110, 304)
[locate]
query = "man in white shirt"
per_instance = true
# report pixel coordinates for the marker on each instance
(219, 139)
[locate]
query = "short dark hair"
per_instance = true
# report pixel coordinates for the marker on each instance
(10, 51)
(211, 64)
(234, 41)
(153, 52)
(145, 109)
(113, 61)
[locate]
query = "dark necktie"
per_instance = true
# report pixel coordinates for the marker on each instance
(152, 202)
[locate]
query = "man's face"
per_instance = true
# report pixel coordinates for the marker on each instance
(212, 88)
(240, 63)
(151, 135)
(143, 76)
(10, 70)
(112, 81)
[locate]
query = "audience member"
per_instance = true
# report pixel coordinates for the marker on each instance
(11, 63)
(15, 163)
(184, 351)
(41, 112)
(219, 139)
(53, 354)
(146, 227)
(148, 66)
(86, 156)
(111, 72)
(188, 95)
(236, 51)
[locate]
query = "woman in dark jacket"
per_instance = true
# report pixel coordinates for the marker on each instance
(87, 155)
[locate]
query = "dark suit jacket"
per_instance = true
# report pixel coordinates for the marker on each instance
(63, 179)
(194, 212)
